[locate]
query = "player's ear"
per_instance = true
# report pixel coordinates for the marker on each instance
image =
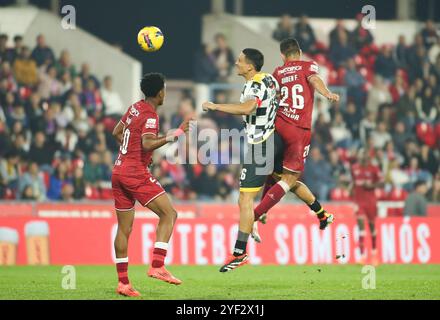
(162, 93)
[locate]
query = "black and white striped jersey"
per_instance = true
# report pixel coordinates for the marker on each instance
(261, 123)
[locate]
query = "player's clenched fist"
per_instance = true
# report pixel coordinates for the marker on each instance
(333, 97)
(208, 106)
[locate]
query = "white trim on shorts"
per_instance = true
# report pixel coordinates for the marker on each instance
(125, 209)
(296, 171)
(154, 197)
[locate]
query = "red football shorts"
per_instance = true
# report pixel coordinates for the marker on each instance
(296, 144)
(366, 209)
(127, 189)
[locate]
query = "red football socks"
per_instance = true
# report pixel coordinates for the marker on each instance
(159, 254)
(122, 269)
(272, 197)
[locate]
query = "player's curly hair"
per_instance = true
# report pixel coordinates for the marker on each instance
(152, 84)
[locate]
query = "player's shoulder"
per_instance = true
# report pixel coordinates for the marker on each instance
(260, 77)
(311, 66)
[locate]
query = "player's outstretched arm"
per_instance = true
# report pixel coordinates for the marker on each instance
(118, 131)
(320, 86)
(150, 142)
(244, 108)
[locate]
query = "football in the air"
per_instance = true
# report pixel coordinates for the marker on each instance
(150, 39)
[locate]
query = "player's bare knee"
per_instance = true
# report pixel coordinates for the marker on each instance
(170, 214)
(290, 179)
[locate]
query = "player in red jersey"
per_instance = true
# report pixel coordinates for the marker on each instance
(298, 81)
(366, 177)
(138, 134)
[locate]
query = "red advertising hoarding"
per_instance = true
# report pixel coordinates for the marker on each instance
(204, 235)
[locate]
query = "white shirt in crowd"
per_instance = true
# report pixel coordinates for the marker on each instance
(112, 101)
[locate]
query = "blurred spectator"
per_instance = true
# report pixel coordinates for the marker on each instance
(434, 52)
(401, 52)
(428, 161)
(64, 64)
(67, 192)
(418, 60)
(111, 99)
(406, 107)
(9, 171)
(224, 57)
(5, 54)
(354, 81)
(334, 34)
(305, 35)
(4, 139)
(284, 28)
(41, 152)
(57, 181)
(352, 117)
(385, 65)
(42, 54)
(93, 100)
(430, 34)
(416, 202)
(49, 85)
(204, 65)
(107, 165)
(25, 68)
(426, 110)
(33, 180)
(318, 175)
(8, 82)
(18, 45)
(86, 75)
(185, 109)
(341, 50)
(28, 194)
(415, 173)
(367, 125)
(381, 136)
(379, 94)
(340, 174)
(206, 185)
(79, 184)
(361, 37)
(400, 136)
(434, 194)
(93, 173)
(341, 136)
(398, 88)
(67, 138)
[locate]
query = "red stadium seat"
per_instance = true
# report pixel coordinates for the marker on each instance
(397, 194)
(339, 194)
(106, 194)
(425, 133)
(380, 194)
(92, 193)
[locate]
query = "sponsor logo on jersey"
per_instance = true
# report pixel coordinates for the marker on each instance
(290, 69)
(134, 112)
(314, 67)
(151, 123)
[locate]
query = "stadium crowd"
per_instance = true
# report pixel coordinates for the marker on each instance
(56, 120)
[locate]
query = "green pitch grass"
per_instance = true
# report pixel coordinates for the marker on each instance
(249, 282)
